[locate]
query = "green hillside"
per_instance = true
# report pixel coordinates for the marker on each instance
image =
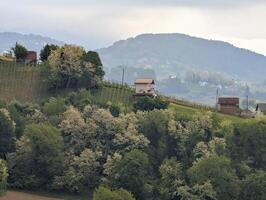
(23, 83)
(19, 82)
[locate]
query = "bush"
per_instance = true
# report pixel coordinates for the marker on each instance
(103, 193)
(147, 104)
(115, 110)
(54, 106)
(80, 99)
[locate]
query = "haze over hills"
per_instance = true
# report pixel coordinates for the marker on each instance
(174, 54)
(30, 41)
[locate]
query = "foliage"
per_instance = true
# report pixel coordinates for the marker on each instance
(38, 157)
(171, 178)
(248, 143)
(3, 176)
(54, 106)
(46, 51)
(197, 192)
(82, 172)
(218, 171)
(253, 187)
(69, 69)
(131, 173)
(162, 154)
(20, 52)
(103, 193)
(148, 103)
(7, 133)
(115, 110)
(80, 99)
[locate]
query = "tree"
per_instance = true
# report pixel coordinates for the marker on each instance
(69, 69)
(93, 57)
(131, 173)
(66, 66)
(203, 191)
(155, 127)
(253, 187)
(218, 171)
(82, 172)
(171, 178)
(7, 133)
(103, 193)
(248, 143)
(38, 158)
(73, 127)
(46, 51)
(20, 52)
(93, 70)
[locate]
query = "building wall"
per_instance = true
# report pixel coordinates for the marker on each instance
(228, 109)
(139, 88)
(31, 57)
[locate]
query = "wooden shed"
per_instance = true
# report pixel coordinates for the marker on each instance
(228, 105)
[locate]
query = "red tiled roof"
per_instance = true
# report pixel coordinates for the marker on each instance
(228, 100)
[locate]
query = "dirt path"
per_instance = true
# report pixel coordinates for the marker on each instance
(11, 195)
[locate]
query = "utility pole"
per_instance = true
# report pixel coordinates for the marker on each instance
(123, 75)
(217, 93)
(247, 95)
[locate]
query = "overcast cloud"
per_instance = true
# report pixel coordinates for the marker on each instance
(95, 24)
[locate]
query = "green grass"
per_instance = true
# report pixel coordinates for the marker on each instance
(187, 110)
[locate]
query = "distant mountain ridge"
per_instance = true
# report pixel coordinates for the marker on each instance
(170, 54)
(30, 41)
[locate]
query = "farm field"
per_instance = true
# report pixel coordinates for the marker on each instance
(19, 82)
(115, 94)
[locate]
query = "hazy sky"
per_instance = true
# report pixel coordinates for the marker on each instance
(98, 23)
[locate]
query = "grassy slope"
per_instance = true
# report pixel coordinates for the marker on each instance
(19, 82)
(115, 94)
(186, 110)
(23, 83)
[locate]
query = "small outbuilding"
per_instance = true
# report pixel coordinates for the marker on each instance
(228, 105)
(261, 109)
(144, 87)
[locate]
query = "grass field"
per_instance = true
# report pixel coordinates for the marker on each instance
(186, 110)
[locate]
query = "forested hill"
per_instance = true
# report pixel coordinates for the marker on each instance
(30, 41)
(171, 54)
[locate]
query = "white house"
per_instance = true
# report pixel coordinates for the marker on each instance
(144, 87)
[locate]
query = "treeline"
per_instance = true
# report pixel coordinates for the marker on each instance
(68, 144)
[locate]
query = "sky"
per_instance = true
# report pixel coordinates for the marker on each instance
(98, 23)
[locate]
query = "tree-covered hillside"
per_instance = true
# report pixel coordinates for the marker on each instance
(30, 41)
(78, 143)
(170, 54)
